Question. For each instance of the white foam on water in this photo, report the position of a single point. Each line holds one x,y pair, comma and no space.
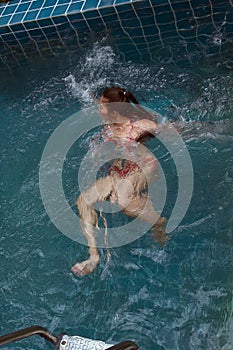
157,256
91,72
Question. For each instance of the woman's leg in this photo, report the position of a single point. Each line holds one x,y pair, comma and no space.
100,191
142,207
127,194
133,204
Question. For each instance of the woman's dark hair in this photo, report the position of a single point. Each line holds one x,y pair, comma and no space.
118,94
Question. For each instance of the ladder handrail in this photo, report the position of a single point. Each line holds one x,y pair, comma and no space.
27,332
44,333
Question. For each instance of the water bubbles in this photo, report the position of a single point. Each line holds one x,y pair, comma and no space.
217,40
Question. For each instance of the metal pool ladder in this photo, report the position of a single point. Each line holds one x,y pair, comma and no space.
65,342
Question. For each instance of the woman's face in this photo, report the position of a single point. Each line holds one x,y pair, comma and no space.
103,108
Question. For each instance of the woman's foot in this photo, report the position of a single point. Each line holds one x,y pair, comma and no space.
86,267
159,231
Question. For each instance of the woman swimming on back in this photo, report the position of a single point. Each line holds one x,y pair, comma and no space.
127,125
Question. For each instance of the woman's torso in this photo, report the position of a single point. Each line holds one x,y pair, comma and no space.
136,157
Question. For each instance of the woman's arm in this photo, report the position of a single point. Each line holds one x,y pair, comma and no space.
145,129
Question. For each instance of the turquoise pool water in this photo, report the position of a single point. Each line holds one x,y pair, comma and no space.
176,297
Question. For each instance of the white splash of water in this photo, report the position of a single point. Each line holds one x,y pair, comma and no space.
91,73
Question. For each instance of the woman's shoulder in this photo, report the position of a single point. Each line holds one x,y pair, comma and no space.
145,125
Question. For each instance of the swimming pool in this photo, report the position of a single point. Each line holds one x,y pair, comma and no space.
147,30
176,297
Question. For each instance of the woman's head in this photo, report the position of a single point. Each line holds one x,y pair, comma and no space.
126,105
116,101
118,94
